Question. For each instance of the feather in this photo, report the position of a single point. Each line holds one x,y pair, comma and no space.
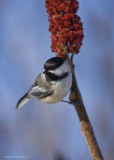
40,92
22,101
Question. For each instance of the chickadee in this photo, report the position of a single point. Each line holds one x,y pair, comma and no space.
52,84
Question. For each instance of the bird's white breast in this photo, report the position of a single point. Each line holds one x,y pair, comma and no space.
61,89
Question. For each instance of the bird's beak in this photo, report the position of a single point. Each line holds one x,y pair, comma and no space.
45,71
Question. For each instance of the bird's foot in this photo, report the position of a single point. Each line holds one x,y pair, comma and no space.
72,102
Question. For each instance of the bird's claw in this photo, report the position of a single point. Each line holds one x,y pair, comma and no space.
72,102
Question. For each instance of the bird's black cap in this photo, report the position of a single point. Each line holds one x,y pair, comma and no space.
53,63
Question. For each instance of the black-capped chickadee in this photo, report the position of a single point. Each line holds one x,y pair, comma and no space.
52,84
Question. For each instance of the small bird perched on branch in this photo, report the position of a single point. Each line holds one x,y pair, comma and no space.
52,84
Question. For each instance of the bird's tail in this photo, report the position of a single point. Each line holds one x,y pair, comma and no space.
22,101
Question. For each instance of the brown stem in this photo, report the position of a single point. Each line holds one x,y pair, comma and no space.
85,123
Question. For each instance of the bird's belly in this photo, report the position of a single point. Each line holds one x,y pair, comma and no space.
56,97
60,92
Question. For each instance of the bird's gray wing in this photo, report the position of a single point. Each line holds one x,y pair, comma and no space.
40,88
40,92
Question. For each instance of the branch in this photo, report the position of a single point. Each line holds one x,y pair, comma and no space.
85,123
67,34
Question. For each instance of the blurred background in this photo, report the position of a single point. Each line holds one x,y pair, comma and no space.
52,132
